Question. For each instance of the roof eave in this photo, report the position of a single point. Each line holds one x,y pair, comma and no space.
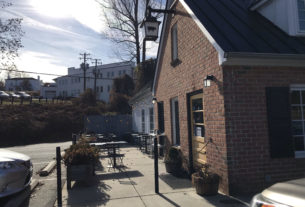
264,59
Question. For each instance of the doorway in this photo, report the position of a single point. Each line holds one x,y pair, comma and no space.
197,129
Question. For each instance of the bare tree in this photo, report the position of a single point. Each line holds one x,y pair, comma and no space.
10,38
123,18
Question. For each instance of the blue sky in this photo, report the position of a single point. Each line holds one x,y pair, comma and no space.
56,31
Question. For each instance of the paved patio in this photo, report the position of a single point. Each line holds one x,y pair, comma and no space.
133,185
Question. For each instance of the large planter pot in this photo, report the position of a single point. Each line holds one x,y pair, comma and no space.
79,173
208,186
173,168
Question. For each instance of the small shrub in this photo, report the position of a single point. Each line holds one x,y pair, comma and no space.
81,154
173,155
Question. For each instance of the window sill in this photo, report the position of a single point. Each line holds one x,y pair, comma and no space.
175,62
299,154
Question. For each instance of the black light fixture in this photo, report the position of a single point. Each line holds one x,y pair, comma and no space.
207,80
154,100
151,24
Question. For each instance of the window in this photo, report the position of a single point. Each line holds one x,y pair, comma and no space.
174,44
151,120
120,73
108,89
102,89
108,74
101,75
298,118
97,89
112,74
301,14
143,120
124,71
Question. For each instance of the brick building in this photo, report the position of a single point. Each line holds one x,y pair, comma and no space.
251,117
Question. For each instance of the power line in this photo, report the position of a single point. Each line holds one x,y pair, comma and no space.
50,74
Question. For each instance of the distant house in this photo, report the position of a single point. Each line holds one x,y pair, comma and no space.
72,85
230,87
143,110
23,84
48,90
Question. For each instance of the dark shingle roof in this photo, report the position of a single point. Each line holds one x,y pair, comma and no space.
237,29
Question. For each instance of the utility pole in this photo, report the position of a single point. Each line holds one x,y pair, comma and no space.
96,72
84,66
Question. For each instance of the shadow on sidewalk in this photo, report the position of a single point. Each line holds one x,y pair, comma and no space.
92,191
119,175
172,181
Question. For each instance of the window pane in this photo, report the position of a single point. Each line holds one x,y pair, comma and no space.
198,117
296,113
303,97
295,97
297,128
199,131
302,25
299,143
301,4
197,104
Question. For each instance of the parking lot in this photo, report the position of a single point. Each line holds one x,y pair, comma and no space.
45,193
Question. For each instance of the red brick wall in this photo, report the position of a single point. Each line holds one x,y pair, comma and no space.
247,127
198,59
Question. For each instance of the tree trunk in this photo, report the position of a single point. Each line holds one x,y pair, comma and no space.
137,32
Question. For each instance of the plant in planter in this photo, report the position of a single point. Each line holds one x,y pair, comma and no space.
80,160
205,182
173,161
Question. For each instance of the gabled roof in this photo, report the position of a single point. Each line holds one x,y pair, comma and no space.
240,35
237,29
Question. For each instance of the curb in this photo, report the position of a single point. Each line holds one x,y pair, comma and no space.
34,184
46,171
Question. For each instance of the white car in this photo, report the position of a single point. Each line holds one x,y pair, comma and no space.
284,194
12,94
4,95
16,172
23,94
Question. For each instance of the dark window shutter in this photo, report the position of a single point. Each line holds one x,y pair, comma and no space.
279,122
161,116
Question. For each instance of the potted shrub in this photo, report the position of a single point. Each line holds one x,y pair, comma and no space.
80,160
173,161
205,182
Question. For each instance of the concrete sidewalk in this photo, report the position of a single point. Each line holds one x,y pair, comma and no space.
133,186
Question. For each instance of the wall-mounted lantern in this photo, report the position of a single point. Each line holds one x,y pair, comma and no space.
207,80
151,24
154,100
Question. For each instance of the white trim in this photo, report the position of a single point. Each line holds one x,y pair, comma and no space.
220,51
164,24
300,87
264,59
258,5
299,154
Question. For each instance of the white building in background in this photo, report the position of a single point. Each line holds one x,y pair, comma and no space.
143,110
48,90
15,84
72,85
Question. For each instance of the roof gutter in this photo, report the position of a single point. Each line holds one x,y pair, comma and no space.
264,59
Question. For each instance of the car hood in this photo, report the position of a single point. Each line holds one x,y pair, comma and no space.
290,193
7,155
